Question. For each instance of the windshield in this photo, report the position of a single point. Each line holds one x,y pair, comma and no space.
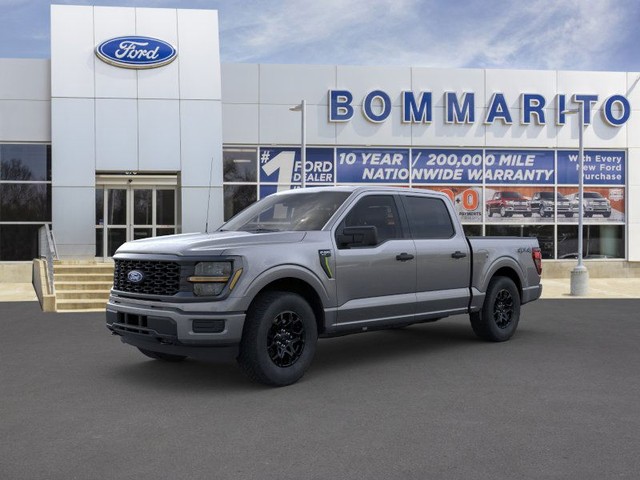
592,195
279,213
511,195
549,196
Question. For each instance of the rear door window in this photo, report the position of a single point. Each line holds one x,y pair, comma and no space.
428,218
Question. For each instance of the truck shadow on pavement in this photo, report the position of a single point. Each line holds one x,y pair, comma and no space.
333,356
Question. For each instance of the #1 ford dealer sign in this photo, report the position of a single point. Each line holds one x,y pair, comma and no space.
136,52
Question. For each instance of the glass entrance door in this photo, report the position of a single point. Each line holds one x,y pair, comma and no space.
132,211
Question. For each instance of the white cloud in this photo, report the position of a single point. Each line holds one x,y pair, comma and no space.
548,34
333,24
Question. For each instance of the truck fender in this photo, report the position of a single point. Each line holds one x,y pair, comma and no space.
280,272
497,264
501,262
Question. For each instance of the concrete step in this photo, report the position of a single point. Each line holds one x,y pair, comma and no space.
81,262
84,310
82,294
93,285
75,305
82,286
83,277
84,269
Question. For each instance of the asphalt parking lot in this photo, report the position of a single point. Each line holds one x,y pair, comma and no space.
560,400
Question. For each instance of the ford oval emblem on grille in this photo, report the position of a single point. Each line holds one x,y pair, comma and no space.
136,52
135,276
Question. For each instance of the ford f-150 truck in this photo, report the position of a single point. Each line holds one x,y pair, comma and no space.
316,262
507,204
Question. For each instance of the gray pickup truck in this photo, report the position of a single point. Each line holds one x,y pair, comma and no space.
316,262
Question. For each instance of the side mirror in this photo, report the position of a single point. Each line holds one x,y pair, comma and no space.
364,236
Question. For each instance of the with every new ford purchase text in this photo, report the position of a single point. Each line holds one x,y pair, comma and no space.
316,262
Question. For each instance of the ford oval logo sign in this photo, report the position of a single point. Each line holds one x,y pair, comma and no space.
136,52
135,276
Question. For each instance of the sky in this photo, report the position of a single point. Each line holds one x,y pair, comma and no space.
516,34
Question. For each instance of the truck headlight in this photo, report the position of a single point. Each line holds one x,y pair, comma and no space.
210,278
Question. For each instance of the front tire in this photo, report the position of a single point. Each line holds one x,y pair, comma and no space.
167,357
279,339
497,321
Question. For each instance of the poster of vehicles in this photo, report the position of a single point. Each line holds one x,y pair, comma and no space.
507,204
600,204
521,204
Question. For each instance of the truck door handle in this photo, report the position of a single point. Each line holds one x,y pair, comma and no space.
403,257
458,254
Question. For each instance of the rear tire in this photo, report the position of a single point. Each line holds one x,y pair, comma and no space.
279,339
167,357
497,321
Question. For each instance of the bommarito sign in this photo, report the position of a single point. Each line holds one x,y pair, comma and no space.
460,108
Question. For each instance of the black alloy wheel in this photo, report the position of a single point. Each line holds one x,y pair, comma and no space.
498,318
279,338
285,339
503,309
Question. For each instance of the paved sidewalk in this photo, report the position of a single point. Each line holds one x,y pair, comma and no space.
17,292
552,288
598,288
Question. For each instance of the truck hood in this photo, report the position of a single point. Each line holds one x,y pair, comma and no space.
206,243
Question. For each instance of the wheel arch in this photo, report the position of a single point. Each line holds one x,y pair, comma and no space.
296,280
299,287
504,267
508,272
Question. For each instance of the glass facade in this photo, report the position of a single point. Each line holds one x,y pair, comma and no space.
25,198
516,192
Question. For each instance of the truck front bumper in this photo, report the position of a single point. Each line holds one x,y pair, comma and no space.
172,325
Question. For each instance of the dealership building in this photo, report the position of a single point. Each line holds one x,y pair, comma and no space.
134,129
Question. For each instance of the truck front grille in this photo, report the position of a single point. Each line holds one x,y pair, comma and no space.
158,278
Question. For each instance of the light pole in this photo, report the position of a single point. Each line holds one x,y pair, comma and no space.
580,274
302,107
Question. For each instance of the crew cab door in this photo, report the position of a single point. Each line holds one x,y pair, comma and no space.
376,281
443,256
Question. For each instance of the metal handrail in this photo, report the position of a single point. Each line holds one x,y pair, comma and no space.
49,251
